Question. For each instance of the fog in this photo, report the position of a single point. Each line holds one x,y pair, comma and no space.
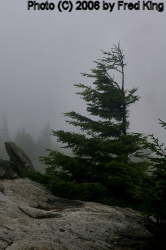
43,53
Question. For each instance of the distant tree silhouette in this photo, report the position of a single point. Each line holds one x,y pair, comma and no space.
44,141
25,142
4,130
4,136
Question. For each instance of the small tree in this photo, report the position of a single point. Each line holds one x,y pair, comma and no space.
150,188
105,144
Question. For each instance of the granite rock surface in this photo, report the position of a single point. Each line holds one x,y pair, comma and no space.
32,218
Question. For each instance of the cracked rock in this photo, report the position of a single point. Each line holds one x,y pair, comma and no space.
38,213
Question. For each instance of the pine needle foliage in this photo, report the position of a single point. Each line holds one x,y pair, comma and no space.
104,144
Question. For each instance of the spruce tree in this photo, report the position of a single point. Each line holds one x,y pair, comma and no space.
104,146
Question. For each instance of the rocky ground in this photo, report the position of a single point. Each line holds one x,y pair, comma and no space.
31,218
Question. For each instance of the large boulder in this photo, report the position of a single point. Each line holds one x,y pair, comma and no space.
20,161
32,218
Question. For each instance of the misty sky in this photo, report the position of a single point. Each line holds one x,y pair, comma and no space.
43,52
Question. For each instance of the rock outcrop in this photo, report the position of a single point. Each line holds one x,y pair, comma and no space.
32,218
19,162
6,170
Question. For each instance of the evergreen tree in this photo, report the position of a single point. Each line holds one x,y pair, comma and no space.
105,145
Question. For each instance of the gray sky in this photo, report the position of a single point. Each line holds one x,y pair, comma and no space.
43,52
